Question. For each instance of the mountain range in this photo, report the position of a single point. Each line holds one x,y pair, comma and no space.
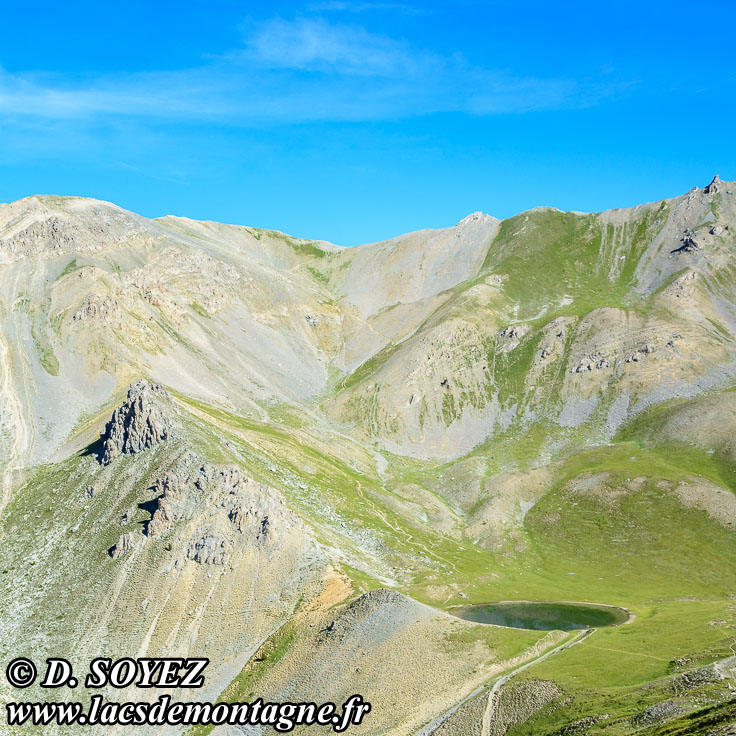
299,460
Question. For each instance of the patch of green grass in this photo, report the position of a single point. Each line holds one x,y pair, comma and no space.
622,671
547,255
370,366
287,415
646,428
633,654
504,643
632,541
46,355
71,266
318,275
200,310
308,249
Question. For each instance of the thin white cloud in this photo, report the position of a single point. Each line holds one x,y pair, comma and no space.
292,72
318,46
355,7
58,97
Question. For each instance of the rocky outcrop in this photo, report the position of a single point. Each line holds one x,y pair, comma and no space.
210,514
510,337
595,361
141,422
689,245
715,186
209,550
696,678
123,546
684,286
96,308
646,349
180,491
658,713
246,507
55,234
51,226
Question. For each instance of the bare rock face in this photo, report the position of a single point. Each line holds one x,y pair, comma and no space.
190,486
141,422
210,549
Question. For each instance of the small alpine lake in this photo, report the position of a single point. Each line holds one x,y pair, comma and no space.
543,616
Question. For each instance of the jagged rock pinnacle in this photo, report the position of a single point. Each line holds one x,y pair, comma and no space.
715,186
142,421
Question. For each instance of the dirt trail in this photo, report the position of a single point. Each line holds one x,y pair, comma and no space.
488,716
410,538
430,728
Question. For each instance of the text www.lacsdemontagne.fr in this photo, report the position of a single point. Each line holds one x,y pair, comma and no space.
283,717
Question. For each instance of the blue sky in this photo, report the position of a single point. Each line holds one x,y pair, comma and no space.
357,121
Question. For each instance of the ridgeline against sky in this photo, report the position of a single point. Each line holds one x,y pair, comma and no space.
353,121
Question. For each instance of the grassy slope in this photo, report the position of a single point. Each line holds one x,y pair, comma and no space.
551,264
673,566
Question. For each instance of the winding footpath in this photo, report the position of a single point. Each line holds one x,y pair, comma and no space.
489,714
498,683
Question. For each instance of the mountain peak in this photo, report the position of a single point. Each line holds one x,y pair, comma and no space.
715,185
48,225
477,217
